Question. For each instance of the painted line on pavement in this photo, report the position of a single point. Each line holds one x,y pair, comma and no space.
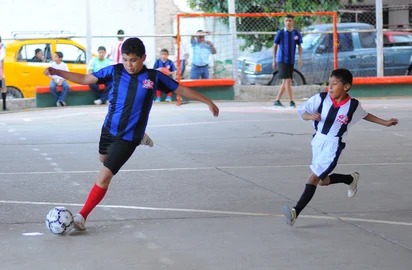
220,212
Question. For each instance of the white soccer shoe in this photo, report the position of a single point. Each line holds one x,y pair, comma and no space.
79,222
290,214
146,141
353,187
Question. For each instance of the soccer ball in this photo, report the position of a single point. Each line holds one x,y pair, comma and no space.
59,220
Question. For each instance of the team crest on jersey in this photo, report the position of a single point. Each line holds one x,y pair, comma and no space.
344,119
148,84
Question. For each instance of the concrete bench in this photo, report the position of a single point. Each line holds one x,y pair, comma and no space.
78,95
217,89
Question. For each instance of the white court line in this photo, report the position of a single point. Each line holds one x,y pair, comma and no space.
234,213
206,168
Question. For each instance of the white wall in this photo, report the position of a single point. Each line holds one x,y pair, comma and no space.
135,17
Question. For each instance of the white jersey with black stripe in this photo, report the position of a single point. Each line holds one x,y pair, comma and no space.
332,118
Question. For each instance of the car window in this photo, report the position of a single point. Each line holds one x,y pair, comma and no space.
344,43
310,40
367,39
72,54
27,52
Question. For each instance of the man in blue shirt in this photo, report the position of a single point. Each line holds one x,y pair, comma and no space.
131,99
284,50
202,49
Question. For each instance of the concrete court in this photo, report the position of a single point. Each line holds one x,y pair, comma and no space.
208,195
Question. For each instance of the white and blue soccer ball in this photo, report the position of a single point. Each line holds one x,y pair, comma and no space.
59,220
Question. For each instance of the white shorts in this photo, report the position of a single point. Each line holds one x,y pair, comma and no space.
325,154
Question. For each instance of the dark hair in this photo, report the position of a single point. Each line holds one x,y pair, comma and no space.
164,50
101,48
290,16
120,32
133,45
59,54
344,75
37,50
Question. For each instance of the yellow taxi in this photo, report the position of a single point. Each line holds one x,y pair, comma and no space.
23,73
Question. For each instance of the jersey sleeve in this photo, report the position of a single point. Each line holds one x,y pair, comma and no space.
156,64
166,84
359,114
172,66
104,75
299,38
277,37
311,105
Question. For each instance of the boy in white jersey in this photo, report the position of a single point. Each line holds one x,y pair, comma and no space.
332,112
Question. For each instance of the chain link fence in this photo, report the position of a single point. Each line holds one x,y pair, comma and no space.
252,44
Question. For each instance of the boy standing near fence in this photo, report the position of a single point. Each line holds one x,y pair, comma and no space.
284,50
332,113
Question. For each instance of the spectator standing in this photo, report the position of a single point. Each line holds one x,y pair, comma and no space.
2,82
166,66
115,53
284,49
95,65
202,49
59,82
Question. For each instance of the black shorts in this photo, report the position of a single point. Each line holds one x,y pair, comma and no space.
285,70
118,151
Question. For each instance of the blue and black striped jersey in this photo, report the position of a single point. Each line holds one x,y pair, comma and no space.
131,98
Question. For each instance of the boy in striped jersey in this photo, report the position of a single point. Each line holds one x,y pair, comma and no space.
332,113
131,97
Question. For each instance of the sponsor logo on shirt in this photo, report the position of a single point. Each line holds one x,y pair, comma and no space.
148,84
344,119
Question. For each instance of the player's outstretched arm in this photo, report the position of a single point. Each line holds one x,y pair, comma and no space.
374,119
191,94
71,76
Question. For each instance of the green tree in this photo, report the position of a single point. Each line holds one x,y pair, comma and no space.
266,24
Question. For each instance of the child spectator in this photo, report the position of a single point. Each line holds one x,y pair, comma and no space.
95,65
58,82
166,66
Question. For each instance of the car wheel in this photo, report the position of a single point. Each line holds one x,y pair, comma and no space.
297,78
13,92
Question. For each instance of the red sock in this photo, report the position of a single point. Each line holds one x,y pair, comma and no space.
170,94
158,93
96,195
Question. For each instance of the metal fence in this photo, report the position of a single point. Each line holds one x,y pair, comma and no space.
358,37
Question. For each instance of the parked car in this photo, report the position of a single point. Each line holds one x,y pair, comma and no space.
356,51
22,75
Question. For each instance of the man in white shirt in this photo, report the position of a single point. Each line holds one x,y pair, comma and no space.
115,53
58,85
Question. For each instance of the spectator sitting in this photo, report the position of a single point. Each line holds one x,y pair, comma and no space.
38,56
95,65
58,81
165,65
